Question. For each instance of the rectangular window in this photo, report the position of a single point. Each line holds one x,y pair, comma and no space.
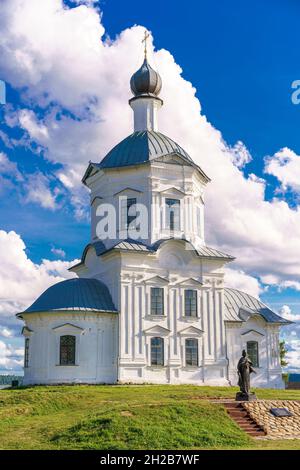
157,352
173,214
190,303
67,350
131,212
157,301
191,352
26,353
128,212
252,352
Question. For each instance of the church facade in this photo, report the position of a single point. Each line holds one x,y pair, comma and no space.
148,304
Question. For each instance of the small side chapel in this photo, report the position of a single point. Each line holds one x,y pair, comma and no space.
152,309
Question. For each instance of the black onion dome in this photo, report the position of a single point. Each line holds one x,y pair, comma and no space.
145,81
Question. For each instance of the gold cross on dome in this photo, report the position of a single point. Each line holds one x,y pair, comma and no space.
146,36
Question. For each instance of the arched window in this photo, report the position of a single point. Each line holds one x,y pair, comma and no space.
26,353
67,350
252,351
191,352
157,352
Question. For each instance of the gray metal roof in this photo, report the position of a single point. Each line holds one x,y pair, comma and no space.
82,294
207,252
235,301
127,245
131,245
138,246
141,147
145,81
202,252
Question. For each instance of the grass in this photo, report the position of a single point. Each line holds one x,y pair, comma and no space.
126,417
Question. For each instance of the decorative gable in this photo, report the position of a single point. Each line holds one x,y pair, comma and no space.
157,280
255,332
190,282
191,331
172,191
157,330
132,190
174,158
68,328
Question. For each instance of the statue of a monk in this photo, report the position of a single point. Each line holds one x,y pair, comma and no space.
244,369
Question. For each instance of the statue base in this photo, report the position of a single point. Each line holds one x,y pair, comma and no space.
240,396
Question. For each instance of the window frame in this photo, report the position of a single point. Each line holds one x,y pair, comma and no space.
190,305
194,360
170,214
126,203
26,353
156,313
255,362
154,361
68,362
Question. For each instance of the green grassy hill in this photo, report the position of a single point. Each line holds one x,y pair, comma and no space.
125,417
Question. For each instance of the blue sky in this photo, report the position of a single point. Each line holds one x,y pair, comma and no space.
241,57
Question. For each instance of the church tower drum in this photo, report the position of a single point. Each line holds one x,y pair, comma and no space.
154,187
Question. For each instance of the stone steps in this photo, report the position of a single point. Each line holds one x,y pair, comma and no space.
243,420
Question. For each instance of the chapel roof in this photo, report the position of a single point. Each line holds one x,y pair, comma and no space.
83,294
237,301
141,147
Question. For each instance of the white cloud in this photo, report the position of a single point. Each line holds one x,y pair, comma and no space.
238,279
293,360
286,313
61,57
291,336
290,284
21,280
6,332
58,252
274,280
10,358
240,154
285,166
85,2
29,122
9,170
37,190
31,187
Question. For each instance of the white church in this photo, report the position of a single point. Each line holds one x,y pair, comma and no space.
148,304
